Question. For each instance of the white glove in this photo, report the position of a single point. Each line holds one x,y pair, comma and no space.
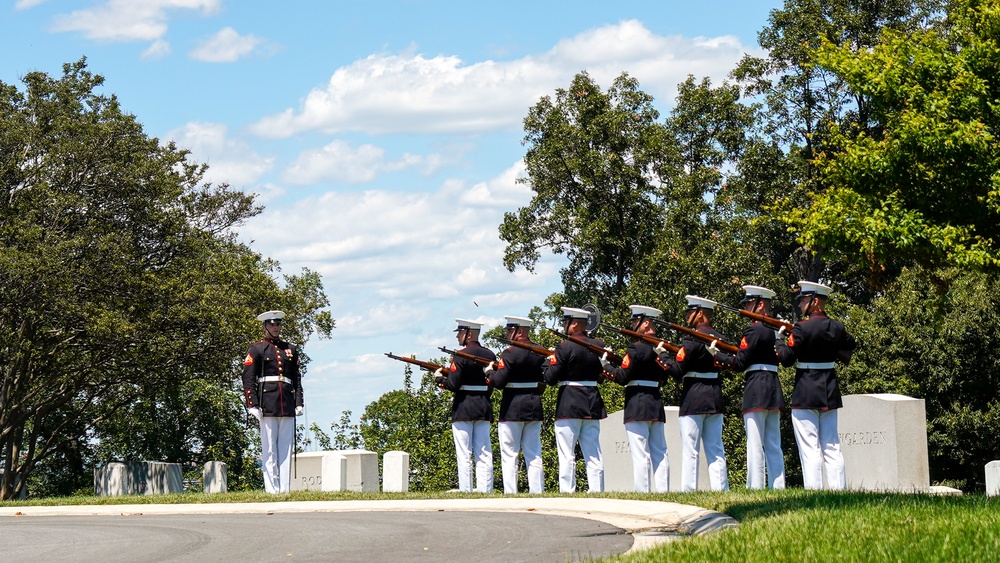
781,332
712,348
659,348
299,411
256,412
492,366
439,372
604,361
551,358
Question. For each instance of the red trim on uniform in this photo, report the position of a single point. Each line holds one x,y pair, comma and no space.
626,361
680,355
743,343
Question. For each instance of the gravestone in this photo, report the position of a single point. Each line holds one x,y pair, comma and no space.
138,478
884,441
362,470
993,478
396,472
618,458
214,477
319,471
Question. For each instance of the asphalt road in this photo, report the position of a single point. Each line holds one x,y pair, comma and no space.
313,536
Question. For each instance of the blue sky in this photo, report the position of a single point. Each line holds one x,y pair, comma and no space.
382,137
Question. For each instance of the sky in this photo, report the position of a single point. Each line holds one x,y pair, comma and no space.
383,138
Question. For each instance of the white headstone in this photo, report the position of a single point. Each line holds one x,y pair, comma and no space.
884,441
138,478
163,478
319,471
396,472
362,470
618,458
215,477
109,480
993,478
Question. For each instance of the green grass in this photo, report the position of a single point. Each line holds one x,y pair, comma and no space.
791,525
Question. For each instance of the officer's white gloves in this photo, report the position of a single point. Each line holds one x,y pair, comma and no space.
781,332
439,377
712,349
299,411
659,348
492,366
605,362
256,412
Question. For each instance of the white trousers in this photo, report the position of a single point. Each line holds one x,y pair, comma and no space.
764,455
276,436
472,439
819,448
513,437
650,466
587,432
706,430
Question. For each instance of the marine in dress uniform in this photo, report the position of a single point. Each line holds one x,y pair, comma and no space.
814,345
762,396
471,409
642,373
579,406
700,413
272,386
518,374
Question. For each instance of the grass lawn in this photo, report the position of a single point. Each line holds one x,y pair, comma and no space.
790,525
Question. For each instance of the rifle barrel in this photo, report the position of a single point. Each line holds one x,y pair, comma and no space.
594,348
645,338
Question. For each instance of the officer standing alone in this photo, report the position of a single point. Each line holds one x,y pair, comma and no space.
815,344
518,375
272,386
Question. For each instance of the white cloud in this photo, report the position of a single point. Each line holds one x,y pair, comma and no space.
25,4
128,20
226,46
410,93
341,162
158,49
229,160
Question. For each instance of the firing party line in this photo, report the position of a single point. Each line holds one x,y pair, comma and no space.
581,362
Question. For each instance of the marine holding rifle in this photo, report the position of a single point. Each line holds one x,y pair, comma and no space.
815,344
762,396
518,374
471,410
700,413
579,406
642,372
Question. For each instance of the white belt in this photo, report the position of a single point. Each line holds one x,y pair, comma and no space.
762,367
814,365
474,388
642,383
579,383
521,385
702,374
272,378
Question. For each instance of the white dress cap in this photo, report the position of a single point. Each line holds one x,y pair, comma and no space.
695,301
644,310
271,315
464,324
575,313
519,321
809,288
758,291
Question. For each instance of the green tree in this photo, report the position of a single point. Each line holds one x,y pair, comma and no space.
927,184
121,281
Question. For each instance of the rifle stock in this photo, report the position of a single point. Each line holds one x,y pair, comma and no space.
431,367
769,321
645,338
706,338
540,350
481,361
612,357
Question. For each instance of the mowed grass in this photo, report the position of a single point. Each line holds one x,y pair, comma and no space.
797,525
790,525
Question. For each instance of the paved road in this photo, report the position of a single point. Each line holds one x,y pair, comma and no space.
319,536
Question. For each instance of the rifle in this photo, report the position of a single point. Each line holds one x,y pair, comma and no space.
481,361
769,321
612,357
422,364
706,338
540,350
645,338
